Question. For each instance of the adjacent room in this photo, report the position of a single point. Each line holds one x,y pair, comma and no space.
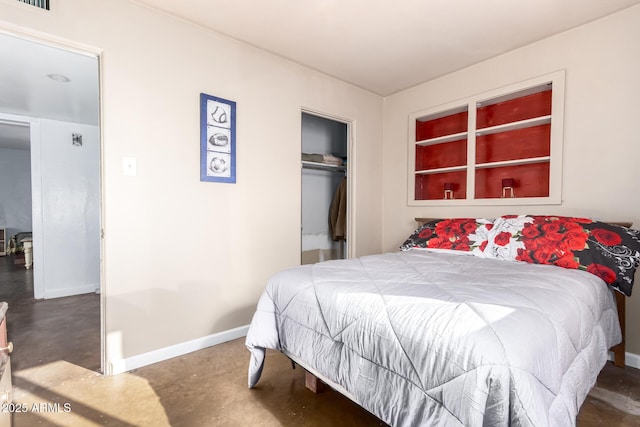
161,161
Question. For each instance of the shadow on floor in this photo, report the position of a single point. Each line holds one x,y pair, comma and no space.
209,387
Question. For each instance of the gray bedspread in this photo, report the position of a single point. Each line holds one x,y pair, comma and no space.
419,338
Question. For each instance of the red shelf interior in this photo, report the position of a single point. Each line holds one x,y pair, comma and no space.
515,144
431,186
448,125
531,180
443,155
525,107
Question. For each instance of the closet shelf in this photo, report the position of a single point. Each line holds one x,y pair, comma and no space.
322,166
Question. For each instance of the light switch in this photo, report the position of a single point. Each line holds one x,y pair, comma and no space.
129,166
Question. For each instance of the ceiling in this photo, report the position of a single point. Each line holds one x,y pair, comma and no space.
386,46
25,89
383,46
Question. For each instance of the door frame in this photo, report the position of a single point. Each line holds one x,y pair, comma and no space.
351,173
36,206
94,52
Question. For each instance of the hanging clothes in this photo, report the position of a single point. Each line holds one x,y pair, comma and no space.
338,212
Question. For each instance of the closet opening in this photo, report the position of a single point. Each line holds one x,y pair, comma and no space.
325,149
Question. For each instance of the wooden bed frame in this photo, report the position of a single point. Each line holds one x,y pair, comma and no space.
316,382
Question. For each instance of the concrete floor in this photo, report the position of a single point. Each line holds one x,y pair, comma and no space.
56,362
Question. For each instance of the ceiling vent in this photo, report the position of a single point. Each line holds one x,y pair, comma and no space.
41,4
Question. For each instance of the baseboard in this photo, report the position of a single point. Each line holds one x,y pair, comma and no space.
135,362
630,359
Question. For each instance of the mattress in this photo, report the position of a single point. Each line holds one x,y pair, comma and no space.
426,338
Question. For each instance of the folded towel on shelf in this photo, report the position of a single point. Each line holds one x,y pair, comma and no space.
312,157
326,159
331,160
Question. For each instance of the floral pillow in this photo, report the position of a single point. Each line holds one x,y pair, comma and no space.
608,251
457,234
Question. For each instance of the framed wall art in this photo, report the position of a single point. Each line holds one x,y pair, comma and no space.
217,139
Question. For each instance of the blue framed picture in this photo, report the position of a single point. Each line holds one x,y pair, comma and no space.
217,139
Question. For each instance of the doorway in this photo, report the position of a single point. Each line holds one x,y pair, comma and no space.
325,197
53,93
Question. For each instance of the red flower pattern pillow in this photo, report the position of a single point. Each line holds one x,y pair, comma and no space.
608,251
454,234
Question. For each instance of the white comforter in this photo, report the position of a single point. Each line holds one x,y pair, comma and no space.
419,338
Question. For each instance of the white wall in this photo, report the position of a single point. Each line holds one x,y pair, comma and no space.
68,191
15,191
185,259
318,188
323,136
601,150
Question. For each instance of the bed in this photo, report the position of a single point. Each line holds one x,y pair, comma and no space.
459,327
22,243
16,243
